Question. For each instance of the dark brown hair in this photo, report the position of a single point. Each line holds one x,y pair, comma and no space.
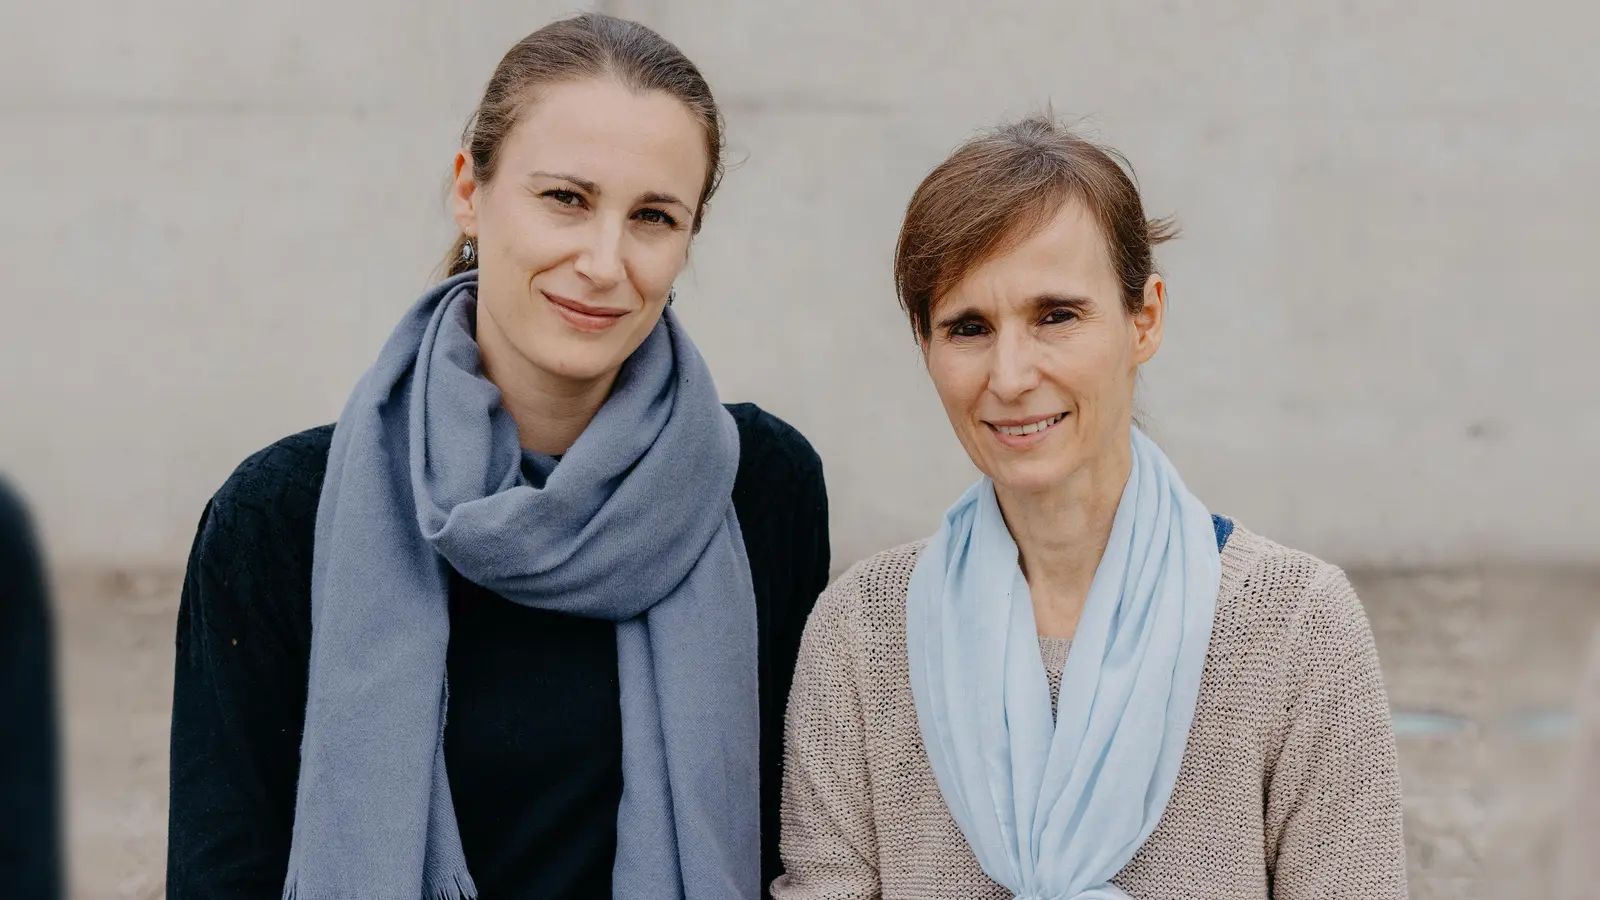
587,46
997,190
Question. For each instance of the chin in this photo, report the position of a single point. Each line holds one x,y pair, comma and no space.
1042,470
1028,479
575,360
585,369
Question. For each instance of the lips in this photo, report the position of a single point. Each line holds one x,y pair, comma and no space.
1020,434
582,316
1028,428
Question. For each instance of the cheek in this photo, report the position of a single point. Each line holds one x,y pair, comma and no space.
520,237
1091,369
957,378
1102,393
653,265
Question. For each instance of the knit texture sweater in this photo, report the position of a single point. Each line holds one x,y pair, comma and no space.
1289,786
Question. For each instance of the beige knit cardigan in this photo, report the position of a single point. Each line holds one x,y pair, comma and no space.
1288,788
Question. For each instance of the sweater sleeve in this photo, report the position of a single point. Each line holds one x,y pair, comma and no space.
782,500
243,639
30,852
828,843
807,534
1333,813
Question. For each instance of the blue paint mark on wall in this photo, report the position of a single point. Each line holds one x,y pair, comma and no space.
1523,724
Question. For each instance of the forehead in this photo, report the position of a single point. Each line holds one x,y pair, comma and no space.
600,130
1067,254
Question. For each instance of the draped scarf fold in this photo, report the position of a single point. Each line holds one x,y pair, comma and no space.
1054,807
634,525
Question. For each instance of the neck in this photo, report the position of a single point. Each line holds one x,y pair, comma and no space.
550,411
1061,535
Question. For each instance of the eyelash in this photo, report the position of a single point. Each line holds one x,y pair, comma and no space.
574,199
954,330
565,197
664,219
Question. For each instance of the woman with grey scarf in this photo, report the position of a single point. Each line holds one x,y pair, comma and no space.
521,623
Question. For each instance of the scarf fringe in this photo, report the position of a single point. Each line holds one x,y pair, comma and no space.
457,887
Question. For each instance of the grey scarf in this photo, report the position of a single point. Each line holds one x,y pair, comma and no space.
635,526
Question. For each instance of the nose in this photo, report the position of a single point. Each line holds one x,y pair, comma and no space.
1013,365
600,259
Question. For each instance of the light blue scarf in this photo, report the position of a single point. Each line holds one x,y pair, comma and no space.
1054,809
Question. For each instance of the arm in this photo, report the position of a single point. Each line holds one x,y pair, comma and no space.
782,502
239,692
829,842
807,532
1333,812
30,852
814,557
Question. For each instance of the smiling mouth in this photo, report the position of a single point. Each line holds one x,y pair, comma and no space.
1030,428
583,317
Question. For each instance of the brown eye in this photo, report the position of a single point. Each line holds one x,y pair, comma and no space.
966,330
565,198
656,217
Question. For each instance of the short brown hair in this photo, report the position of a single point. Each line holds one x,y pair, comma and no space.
586,46
997,190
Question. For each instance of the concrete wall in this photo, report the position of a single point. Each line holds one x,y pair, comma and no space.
1382,336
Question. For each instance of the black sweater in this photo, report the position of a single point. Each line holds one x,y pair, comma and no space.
30,851
533,744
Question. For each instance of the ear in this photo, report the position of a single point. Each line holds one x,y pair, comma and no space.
1149,322
464,195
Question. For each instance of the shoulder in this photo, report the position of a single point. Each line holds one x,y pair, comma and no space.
887,572
771,451
260,524
279,484
871,595
21,569
1302,606
1289,579
14,519
251,559
779,487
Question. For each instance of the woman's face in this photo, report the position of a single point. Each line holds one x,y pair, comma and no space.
583,228
1034,356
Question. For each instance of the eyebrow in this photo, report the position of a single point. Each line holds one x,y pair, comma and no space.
664,198
1039,304
591,187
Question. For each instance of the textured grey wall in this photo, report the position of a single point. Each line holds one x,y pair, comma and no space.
1381,344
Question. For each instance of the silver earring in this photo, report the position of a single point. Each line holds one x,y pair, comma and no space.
672,294
466,250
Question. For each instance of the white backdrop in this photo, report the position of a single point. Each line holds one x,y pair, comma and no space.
1382,338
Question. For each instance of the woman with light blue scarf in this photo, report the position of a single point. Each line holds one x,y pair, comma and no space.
1085,685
